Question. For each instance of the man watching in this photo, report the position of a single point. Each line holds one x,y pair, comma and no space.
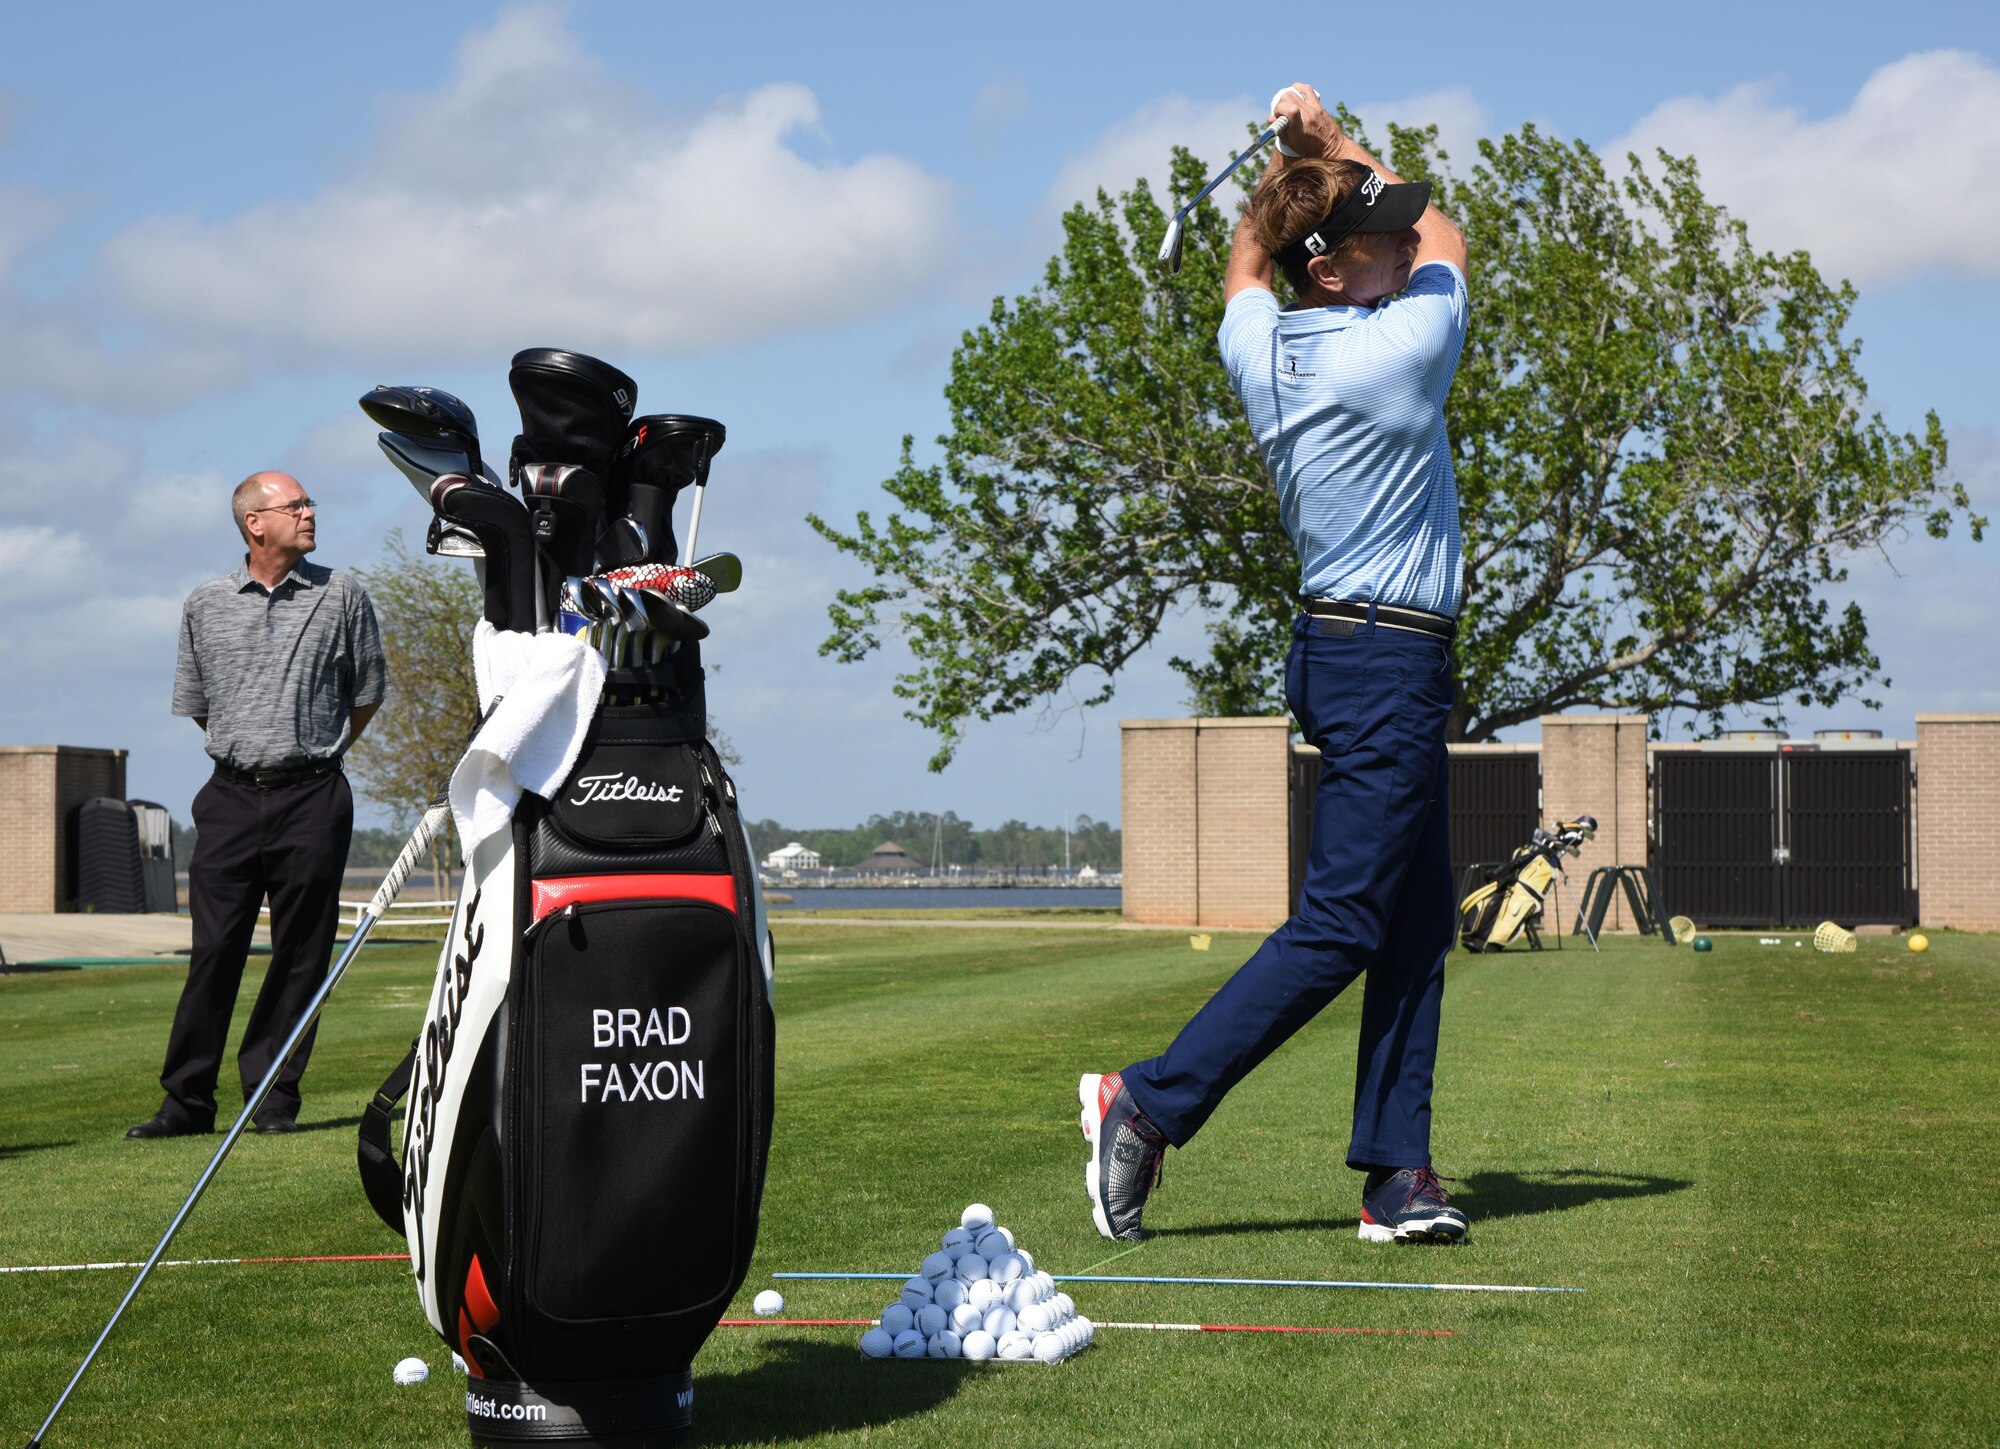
281,665
1345,392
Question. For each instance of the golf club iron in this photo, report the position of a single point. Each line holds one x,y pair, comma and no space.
434,817
1170,248
725,570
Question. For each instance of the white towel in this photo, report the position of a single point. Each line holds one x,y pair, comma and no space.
547,685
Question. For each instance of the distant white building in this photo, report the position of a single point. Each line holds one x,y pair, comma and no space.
792,857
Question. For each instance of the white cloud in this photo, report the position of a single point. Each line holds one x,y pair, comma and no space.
1905,179
531,199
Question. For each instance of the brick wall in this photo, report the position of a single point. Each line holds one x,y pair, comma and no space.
1958,825
1205,821
1595,764
40,785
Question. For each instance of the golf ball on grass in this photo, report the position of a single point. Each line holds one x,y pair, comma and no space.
942,1344
875,1343
1035,1319
411,1371
909,1344
1017,1346
768,1304
976,1218
977,1345
971,1268
948,1294
1048,1347
458,1363
897,1317
931,1319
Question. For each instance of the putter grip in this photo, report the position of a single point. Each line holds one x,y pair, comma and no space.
435,815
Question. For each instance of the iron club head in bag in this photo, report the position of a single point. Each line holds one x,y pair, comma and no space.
725,571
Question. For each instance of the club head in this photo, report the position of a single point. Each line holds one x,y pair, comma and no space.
665,617
426,412
725,571
448,540
1170,247
424,460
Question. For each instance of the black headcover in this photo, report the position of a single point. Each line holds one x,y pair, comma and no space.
664,453
573,409
506,534
427,413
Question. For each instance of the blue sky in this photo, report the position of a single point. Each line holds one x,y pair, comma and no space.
220,224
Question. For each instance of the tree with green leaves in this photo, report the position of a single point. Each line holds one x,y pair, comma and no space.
427,612
1664,450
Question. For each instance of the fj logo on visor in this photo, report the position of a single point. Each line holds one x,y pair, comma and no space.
1315,245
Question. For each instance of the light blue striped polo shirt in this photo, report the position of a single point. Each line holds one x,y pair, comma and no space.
1347,405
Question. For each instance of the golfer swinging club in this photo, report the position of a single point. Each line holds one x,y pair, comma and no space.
1345,392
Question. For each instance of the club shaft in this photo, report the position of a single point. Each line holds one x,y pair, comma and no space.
1270,134
433,818
694,521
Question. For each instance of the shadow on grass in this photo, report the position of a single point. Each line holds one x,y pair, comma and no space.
22,1149
329,1124
804,1389
1485,1196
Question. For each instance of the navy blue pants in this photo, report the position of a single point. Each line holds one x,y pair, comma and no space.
1376,900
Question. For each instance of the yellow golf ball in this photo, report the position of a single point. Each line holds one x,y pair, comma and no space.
1920,942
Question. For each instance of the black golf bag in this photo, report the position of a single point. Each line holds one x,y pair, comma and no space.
590,1098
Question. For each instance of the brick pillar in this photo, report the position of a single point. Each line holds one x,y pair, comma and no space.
39,786
1595,764
1205,821
1958,848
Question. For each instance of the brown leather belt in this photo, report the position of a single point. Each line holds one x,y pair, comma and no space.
1387,616
278,777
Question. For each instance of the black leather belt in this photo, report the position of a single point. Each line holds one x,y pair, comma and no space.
1387,616
278,777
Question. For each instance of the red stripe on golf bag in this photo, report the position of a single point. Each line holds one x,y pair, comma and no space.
479,1300
551,896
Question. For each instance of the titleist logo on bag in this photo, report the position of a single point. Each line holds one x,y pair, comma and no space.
589,789
631,796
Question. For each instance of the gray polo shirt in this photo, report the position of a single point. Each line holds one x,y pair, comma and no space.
276,671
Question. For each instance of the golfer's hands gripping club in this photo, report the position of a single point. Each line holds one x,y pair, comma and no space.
1308,129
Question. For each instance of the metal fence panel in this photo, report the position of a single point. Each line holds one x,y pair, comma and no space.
1496,803
1715,837
1847,834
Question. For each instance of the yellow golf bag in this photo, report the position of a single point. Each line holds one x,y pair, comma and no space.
1509,903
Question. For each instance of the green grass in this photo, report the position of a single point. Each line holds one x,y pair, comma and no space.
1767,1166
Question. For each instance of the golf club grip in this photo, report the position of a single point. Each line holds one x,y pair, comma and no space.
434,817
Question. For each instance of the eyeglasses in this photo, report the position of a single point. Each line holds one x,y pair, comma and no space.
297,507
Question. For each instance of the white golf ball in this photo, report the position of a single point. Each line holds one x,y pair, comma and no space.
938,1265
957,1243
1027,1257
1017,1345
1024,1291
1034,1319
977,1345
971,1268
411,1371
1088,1329
458,1363
1005,1268
876,1343
931,1318
1065,1303
768,1304
995,1241
1049,1348
916,1293
897,1317
909,1344
1046,1281
1000,1322
976,1218
942,1344
948,1293
985,1294
965,1318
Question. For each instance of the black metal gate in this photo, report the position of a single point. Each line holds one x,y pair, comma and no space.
1784,838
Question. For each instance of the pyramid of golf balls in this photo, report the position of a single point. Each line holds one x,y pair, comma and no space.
980,1296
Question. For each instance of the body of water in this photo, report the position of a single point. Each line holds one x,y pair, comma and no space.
945,898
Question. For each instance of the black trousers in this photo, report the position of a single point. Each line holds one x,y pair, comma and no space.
289,844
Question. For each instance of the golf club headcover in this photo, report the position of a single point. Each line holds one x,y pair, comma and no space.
427,413
567,502
500,522
663,453
590,1099
573,410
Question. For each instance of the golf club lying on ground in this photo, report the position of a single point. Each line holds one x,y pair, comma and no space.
1170,248
420,839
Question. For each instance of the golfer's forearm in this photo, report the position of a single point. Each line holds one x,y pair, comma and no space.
358,721
1249,264
1440,240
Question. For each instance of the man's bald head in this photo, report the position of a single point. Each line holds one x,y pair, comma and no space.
253,493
